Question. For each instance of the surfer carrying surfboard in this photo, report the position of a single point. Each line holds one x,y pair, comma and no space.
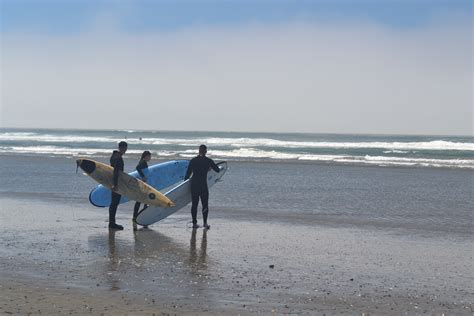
199,166
142,165
116,161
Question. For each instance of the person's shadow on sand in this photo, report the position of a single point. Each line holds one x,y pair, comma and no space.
198,261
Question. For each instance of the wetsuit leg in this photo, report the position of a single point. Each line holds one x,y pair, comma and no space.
205,206
194,207
135,209
113,207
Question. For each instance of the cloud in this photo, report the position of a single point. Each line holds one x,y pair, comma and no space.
287,77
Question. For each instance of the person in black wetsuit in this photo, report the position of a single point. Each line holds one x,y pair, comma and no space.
142,164
199,166
116,161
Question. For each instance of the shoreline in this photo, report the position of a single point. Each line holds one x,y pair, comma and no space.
159,159
321,220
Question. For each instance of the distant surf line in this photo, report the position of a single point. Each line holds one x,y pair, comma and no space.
435,145
249,154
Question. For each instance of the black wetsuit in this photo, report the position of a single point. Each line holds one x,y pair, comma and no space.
141,165
199,166
116,161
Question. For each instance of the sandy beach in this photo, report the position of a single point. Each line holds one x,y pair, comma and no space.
345,128
59,258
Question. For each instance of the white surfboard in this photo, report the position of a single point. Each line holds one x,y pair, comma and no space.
180,195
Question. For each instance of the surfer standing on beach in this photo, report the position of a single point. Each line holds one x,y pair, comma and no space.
199,166
116,161
142,165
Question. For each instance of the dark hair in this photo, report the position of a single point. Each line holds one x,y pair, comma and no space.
123,144
145,153
202,149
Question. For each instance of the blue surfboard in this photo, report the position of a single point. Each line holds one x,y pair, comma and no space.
159,176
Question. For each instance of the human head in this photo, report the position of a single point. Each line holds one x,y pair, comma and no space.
122,146
146,155
202,150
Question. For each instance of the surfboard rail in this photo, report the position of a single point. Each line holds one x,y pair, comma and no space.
160,176
128,186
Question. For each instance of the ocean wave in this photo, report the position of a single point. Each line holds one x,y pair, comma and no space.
431,145
398,161
395,147
13,134
250,154
268,142
396,151
47,138
60,151
367,159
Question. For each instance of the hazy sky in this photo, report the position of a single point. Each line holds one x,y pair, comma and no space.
398,67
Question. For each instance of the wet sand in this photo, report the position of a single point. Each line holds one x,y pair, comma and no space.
58,257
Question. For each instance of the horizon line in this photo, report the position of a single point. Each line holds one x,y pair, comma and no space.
235,132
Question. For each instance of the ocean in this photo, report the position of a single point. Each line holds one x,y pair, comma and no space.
364,150
415,183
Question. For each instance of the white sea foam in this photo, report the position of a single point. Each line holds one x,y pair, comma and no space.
250,154
397,161
253,153
396,152
431,145
55,150
370,160
56,138
396,147
376,160
267,142
13,134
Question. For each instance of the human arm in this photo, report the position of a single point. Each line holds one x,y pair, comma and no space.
140,167
116,162
189,171
115,177
214,166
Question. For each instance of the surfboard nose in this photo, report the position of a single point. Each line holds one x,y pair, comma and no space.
87,165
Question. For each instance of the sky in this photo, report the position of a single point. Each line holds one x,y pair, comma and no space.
378,67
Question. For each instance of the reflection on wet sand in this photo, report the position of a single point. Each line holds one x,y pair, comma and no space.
198,261
113,264
128,258
199,269
146,255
